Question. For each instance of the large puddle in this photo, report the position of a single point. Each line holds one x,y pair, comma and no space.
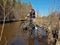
15,36
23,38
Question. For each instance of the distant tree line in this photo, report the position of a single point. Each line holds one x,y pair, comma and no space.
13,9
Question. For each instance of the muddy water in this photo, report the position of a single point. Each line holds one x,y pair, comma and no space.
13,35
10,31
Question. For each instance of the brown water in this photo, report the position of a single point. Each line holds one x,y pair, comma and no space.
13,35
10,30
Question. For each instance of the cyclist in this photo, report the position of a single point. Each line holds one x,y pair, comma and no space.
32,17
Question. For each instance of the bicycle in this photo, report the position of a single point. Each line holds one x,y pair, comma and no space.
28,26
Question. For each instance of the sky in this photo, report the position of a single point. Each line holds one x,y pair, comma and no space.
44,7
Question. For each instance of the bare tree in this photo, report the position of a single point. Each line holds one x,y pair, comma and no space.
4,15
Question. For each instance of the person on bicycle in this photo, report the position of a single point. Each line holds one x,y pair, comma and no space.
32,16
